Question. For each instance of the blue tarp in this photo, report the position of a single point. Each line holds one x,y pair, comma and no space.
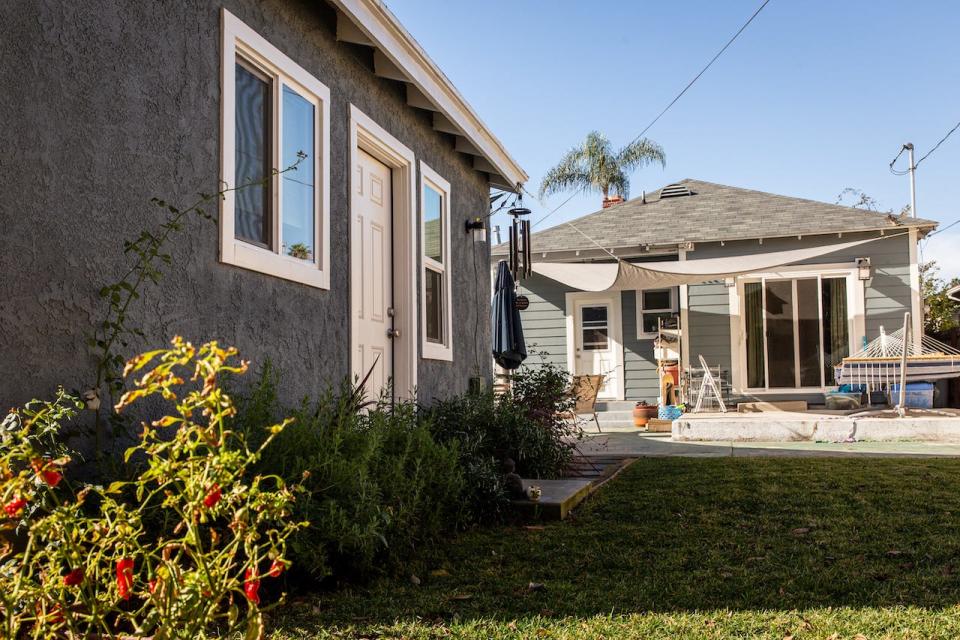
509,350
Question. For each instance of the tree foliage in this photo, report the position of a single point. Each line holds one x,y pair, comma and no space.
940,312
595,166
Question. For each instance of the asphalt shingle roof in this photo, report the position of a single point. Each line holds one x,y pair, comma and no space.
714,212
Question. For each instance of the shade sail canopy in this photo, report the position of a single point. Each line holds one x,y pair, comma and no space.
622,275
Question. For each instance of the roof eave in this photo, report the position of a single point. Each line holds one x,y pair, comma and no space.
385,32
925,227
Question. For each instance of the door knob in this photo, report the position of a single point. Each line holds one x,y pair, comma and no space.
393,333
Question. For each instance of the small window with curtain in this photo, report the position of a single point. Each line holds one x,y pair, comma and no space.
275,156
654,306
435,256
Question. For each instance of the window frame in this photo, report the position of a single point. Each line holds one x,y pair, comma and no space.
856,320
641,334
240,41
436,350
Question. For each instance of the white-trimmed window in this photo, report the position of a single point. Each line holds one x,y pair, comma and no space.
275,115
652,306
435,292
796,325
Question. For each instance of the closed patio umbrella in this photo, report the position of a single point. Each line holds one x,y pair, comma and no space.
509,350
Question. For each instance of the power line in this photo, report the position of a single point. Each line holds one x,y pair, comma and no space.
939,231
899,172
942,140
672,102
702,71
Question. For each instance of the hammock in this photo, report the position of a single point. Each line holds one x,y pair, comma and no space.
878,365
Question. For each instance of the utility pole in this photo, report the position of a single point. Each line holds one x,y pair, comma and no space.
913,179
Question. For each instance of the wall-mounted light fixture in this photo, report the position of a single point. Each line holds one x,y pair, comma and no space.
863,268
478,228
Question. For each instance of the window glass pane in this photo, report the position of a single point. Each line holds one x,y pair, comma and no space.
753,317
780,351
593,328
297,193
656,299
836,338
808,332
650,320
252,219
432,224
593,315
433,285
595,339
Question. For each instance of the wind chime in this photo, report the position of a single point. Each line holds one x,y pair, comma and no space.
521,256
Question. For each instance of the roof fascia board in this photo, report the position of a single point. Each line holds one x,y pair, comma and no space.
389,36
622,250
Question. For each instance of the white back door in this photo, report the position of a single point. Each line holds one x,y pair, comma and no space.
373,306
597,342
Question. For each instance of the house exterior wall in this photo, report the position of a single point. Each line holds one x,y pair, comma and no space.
109,103
887,295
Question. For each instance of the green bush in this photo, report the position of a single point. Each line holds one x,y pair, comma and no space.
91,565
377,483
525,425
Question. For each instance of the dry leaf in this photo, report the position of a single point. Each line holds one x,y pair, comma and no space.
799,531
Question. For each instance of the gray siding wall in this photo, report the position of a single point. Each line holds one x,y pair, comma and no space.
887,295
544,321
544,328
108,103
640,367
708,324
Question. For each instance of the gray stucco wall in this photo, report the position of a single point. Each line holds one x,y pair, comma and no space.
111,102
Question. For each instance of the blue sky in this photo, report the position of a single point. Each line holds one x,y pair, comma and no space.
814,96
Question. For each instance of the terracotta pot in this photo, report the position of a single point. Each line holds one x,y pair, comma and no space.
642,414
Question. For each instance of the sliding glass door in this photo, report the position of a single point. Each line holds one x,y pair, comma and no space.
795,330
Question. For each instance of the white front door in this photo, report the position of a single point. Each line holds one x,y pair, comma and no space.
373,211
597,342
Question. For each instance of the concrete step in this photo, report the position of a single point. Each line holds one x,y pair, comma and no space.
615,405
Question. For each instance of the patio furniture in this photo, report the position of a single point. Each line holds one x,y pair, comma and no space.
708,384
584,390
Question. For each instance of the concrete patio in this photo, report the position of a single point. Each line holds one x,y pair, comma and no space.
639,444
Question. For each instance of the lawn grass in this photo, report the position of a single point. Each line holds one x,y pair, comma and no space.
690,548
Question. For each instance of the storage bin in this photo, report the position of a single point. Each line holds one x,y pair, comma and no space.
669,412
843,400
919,395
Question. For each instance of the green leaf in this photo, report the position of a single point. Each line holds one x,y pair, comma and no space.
117,487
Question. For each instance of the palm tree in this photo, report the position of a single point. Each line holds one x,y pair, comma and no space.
595,166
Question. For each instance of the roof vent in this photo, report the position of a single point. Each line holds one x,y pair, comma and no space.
675,191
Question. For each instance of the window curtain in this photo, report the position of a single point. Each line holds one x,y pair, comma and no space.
753,316
836,336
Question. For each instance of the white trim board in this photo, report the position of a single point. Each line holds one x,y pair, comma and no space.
367,135
674,294
613,298
856,319
433,350
238,38
385,32
916,300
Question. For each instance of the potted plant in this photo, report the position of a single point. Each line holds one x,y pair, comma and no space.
642,413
